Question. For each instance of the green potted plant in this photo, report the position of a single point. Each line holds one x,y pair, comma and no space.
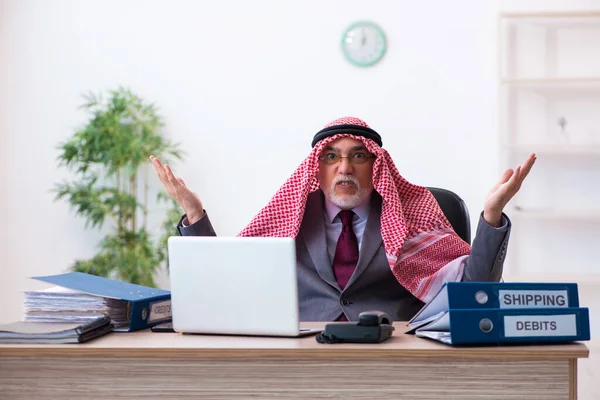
109,157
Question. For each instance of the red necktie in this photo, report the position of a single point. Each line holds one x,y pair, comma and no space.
346,252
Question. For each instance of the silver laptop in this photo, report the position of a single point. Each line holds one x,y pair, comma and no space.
234,286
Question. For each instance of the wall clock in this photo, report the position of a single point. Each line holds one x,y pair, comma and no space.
364,43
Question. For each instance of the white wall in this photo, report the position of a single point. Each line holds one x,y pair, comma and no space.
243,86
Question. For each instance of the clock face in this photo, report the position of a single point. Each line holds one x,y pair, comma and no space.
363,44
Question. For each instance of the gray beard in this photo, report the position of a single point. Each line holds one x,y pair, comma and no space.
348,202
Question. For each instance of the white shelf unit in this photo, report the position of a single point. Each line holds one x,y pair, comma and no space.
549,46
549,104
554,149
549,214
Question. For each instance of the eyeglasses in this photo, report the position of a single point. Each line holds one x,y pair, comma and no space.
355,158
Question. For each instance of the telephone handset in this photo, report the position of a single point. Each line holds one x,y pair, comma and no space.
372,327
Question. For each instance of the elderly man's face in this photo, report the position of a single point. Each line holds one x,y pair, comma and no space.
346,182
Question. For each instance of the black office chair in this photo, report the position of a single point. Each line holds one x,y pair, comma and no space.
455,210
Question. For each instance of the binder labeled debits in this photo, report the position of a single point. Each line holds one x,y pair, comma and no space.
499,312
79,298
502,295
495,326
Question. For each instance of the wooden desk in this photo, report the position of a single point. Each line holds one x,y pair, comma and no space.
169,365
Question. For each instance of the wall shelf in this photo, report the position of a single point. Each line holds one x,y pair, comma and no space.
551,15
549,104
545,46
589,215
553,81
553,149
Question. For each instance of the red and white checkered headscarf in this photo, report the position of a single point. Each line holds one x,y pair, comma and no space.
422,249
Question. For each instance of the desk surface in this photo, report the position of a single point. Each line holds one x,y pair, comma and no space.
150,344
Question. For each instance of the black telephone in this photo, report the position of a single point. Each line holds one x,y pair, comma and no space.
372,327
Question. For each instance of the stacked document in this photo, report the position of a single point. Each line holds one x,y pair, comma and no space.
497,313
60,304
54,333
81,298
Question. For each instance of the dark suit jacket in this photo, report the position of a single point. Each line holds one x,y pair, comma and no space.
372,285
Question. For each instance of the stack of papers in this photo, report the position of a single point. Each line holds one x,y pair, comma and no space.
436,327
59,304
54,333
79,298
433,320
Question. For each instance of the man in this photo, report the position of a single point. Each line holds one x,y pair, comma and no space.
365,237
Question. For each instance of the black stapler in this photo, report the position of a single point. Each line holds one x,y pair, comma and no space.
372,327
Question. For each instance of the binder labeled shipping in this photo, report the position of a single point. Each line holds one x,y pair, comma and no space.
502,295
499,326
80,297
